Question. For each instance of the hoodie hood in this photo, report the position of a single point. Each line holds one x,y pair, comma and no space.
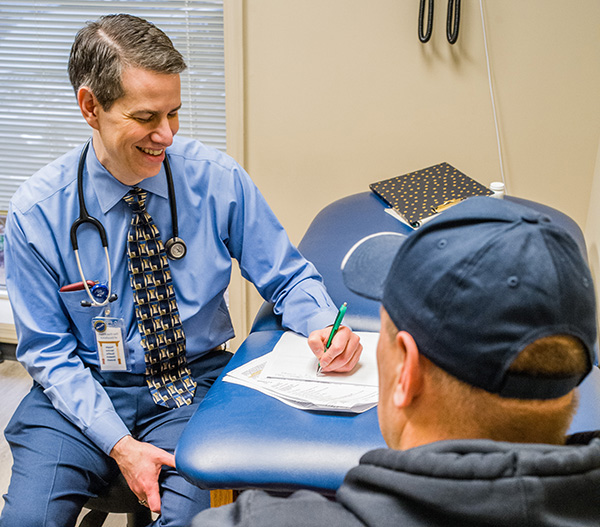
477,482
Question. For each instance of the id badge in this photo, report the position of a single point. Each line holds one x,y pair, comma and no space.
110,343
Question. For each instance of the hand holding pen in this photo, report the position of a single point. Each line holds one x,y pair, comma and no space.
337,347
334,328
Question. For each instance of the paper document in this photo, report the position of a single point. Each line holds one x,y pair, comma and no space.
394,214
289,374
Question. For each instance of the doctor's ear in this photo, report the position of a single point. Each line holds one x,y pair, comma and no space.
89,106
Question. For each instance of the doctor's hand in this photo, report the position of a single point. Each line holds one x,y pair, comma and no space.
141,463
342,355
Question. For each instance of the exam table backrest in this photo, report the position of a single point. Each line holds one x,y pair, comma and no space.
329,237
346,221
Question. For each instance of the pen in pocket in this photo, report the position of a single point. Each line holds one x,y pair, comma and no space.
77,286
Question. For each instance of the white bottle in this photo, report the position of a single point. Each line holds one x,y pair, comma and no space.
497,187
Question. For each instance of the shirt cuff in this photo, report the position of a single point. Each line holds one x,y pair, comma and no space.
322,319
107,431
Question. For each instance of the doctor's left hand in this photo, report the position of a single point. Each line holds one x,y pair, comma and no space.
141,463
342,355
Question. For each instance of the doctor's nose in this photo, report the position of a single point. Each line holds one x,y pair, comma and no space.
165,131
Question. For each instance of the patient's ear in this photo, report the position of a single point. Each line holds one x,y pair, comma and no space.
409,374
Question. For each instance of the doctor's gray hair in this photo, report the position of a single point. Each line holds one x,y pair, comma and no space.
104,48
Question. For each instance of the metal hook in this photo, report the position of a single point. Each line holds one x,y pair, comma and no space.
424,37
453,16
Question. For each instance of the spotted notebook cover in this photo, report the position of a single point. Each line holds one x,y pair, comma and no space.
420,194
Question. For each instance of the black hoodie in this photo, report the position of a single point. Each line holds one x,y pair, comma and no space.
464,483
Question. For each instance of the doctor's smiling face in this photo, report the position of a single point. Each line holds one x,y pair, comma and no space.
131,136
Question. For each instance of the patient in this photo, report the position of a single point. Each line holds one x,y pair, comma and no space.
488,325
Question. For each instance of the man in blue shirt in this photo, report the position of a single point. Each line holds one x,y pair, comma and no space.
82,421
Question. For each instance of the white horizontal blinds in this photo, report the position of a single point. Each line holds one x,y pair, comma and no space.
39,116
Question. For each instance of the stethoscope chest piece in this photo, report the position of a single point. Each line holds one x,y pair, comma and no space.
100,292
175,248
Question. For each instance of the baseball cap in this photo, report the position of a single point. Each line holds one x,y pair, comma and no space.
476,285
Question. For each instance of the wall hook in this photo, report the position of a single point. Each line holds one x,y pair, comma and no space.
424,37
453,20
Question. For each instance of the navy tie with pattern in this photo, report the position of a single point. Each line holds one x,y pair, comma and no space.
163,339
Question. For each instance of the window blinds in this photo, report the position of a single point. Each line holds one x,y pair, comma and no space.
39,116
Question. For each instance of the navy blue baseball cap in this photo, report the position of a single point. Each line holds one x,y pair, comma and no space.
476,285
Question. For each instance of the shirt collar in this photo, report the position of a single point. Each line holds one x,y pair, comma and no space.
110,190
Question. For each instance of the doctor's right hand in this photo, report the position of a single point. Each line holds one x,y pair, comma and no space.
141,464
344,352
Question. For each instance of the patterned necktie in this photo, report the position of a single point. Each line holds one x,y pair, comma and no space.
163,339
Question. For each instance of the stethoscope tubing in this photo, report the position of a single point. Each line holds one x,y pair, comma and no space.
109,296
175,246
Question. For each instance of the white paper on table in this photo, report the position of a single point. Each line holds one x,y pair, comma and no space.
298,395
306,390
293,359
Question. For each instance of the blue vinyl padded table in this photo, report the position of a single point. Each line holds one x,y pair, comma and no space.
240,438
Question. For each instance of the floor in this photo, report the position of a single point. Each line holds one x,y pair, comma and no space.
14,384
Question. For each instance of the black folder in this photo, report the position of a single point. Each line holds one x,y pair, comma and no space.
421,194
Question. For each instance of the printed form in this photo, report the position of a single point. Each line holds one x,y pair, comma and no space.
289,374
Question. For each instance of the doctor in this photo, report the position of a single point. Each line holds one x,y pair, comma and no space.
105,398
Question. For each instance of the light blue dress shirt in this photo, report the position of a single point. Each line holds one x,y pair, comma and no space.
222,215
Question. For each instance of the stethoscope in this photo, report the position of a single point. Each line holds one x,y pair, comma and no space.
101,294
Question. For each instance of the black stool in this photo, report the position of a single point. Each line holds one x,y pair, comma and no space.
117,498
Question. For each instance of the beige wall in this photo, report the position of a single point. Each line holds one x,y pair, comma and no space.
592,229
331,95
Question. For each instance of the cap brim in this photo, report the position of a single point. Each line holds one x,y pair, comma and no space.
366,265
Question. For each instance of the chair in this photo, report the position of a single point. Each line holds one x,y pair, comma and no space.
117,498
7,351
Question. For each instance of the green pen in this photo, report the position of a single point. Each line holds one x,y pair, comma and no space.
336,326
